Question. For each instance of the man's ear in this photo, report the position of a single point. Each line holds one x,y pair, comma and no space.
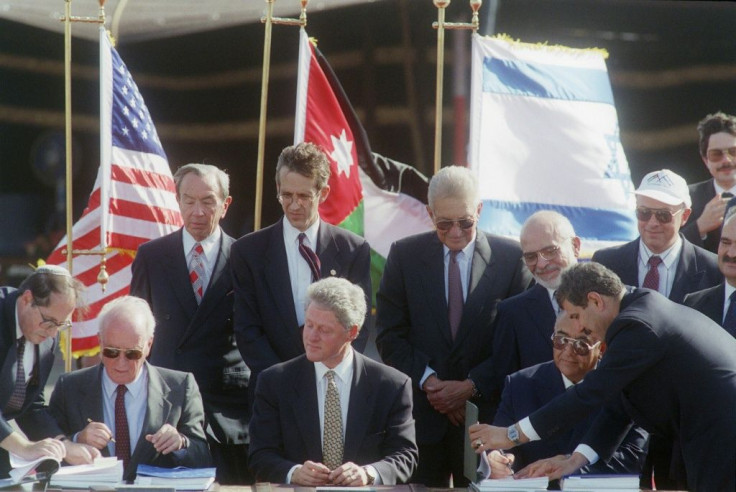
596,300
353,332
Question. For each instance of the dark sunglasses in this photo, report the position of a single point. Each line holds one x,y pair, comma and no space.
130,354
580,347
446,225
662,215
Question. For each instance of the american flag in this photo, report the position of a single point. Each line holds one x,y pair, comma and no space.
133,199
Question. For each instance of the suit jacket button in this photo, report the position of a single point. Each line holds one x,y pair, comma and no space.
333,272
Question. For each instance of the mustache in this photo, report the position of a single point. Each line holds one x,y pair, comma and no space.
725,167
728,259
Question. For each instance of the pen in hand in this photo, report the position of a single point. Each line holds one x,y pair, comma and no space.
508,464
89,421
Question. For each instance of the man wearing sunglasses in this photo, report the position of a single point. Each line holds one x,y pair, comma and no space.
128,408
529,389
671,368
661,258
525,322
30,320
436,306
717,147
185,277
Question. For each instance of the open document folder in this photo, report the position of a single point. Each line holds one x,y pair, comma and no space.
104,471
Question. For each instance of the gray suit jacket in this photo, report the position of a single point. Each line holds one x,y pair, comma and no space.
196,338
173,398
285,428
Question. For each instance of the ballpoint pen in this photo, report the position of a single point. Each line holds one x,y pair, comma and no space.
89,421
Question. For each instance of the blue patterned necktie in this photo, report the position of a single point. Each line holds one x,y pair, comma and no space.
19,390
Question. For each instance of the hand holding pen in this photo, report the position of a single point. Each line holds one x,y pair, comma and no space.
500,463
96,434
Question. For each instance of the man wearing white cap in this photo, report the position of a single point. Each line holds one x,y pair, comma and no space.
662,259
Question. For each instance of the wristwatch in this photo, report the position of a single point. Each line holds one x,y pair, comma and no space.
371,477
513,434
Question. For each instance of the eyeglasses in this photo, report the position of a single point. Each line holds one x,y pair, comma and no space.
548,254
446,225
52,323
662,215
130,354
580,347
719,154
302,199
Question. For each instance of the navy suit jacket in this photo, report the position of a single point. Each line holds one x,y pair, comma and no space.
532,388
285,429
522,333
414,328
33,417
173,398
674,370
196,338
697,268
710,302
265,316
700,194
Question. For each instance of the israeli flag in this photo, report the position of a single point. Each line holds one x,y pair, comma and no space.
544,135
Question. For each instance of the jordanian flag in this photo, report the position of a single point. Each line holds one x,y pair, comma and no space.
373,196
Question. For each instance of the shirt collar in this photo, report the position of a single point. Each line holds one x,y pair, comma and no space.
720,190
342,370
291,233
467,251
18,331
208,244
729,290
134,387
668,256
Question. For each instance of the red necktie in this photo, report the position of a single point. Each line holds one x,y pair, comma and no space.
454,294
651,280
122,435
310,257
197,274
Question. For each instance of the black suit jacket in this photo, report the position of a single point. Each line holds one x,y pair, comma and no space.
697,268
196,338
710,302
173,398
674,370
285,428
530,389
413,325
265,316
522,333
700,194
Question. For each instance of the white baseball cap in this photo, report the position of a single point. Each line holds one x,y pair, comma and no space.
666,187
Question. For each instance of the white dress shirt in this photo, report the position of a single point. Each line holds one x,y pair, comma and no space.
299,272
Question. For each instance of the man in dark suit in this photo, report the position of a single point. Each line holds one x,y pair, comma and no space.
716,302
30,319
273,267
524,324
530,389
293,439
436,306
163,408
185,278
672,369
661,258
710,198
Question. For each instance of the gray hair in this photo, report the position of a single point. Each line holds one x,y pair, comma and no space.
453,182
128,307
204,170
344,299
49,279
558,222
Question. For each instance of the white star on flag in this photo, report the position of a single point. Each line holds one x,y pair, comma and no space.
342,153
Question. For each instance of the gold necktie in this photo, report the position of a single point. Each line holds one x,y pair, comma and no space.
332,447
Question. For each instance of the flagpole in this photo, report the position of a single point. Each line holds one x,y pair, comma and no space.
68,19
441,25
268,21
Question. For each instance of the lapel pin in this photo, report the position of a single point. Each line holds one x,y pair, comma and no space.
333,272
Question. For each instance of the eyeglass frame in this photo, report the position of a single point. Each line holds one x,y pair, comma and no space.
730,151
130,354
468,223
574,343
287,199
554,252
658,213
64,325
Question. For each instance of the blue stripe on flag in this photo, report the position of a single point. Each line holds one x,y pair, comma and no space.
547,81
506,219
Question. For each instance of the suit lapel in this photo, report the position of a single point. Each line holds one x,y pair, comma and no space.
544,318
158,408
687,274
278,280
630,267
177,271
305,407
433,281
328,252
361,401
481,273
714,302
